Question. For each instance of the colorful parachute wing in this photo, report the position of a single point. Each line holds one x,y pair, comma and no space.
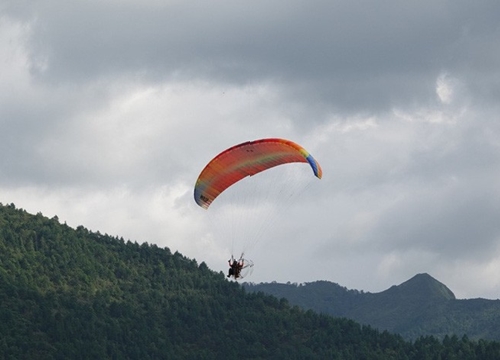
247,159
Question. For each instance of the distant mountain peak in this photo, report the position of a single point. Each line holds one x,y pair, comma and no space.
424,286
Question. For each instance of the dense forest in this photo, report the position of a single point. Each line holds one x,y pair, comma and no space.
71,293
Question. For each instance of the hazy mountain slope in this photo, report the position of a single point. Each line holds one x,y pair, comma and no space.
419,306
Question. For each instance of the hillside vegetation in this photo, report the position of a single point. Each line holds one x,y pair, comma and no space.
74,294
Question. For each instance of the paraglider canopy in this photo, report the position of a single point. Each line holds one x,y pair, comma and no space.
247,159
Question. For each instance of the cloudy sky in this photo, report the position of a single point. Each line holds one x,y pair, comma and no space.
110,109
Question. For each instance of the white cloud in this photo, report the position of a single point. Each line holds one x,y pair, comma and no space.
444,89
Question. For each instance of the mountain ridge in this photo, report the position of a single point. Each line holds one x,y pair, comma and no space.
426,286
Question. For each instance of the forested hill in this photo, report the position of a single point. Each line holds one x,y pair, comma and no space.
73,294
419,306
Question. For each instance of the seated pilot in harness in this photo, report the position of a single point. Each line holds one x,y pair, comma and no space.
235,267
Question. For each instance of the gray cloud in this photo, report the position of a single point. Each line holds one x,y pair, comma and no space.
109,110
362,58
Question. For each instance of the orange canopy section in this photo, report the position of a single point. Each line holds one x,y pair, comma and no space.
247,159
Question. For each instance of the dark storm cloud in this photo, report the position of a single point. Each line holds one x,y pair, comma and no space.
343,56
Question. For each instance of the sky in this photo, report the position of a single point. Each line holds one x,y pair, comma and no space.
110,109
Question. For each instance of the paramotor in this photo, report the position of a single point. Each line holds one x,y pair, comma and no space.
245,160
